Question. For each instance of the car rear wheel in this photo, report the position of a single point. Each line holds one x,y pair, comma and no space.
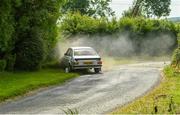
97,70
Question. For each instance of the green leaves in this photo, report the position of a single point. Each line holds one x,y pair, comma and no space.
2,65
36,32
6,27
156,8
93,8
149,8
17,20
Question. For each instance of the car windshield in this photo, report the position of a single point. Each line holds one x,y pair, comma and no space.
84,52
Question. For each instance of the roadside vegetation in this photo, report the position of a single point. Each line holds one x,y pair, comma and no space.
148,36
14,84
164,99
76,23
28,34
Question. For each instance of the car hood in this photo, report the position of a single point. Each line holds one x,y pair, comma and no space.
86,57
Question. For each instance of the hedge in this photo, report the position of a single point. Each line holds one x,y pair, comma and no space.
137,30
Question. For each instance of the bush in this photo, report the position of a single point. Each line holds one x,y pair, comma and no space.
6,27
176,56
52,64
30,54
10,62
17,18
39,16
2,65
148,36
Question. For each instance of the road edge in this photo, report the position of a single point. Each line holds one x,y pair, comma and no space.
156,84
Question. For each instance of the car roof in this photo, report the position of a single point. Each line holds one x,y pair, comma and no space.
76,48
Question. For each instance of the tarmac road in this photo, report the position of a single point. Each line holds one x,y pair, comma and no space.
93,93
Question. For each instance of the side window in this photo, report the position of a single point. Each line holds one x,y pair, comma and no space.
71,53
68,52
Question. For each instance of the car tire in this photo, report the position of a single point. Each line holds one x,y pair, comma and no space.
97,70
68,69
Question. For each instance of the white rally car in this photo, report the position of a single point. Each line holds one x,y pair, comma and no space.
81,58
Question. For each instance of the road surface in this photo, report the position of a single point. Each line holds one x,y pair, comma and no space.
94,93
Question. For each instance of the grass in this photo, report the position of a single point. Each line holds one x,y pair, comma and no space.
163,99
13,84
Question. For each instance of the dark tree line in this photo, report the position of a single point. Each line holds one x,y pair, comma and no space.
28,31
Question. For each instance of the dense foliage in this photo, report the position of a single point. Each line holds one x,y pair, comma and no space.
137,29
10,62
36,25
157,8
25,25
93,8
77,23
2,65
149,8
6,28
30,54
176,56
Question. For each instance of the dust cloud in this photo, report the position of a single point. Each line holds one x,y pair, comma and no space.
104,45
160,44
111,47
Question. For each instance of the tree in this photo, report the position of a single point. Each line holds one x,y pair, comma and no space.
156,8
35,28
149,8
28,31
94,8
6,27
76,6
130,13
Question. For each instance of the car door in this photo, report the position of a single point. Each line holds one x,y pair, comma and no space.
68,57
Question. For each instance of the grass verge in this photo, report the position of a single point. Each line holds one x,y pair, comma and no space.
18,83
163,99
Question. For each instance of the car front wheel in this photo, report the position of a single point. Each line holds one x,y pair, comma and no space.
68,69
